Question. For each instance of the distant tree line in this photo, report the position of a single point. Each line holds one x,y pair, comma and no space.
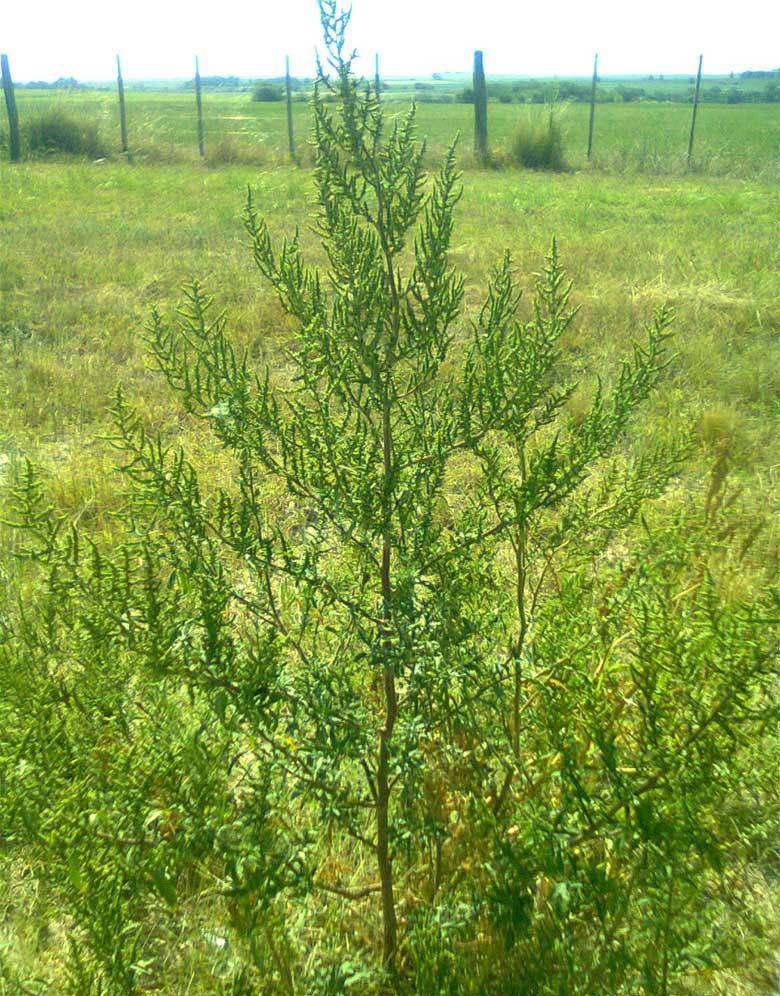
726,90
218,83
750,87
262,89
270,90
63,83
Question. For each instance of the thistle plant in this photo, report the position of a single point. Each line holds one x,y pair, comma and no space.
453,670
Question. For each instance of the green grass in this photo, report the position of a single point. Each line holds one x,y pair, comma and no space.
90,248
96,246
740,141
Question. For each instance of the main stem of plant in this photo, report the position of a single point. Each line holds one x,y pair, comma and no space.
384,860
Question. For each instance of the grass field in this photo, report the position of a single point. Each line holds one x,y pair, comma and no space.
647,137
88,248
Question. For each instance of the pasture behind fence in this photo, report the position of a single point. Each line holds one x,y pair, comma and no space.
207,118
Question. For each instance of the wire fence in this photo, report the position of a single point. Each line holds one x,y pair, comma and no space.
232,120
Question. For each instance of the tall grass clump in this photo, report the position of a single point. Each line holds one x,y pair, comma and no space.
538,144
56,131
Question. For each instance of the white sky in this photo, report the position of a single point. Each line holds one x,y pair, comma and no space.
47,39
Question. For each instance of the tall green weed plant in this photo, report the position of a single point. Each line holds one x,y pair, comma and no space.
436,693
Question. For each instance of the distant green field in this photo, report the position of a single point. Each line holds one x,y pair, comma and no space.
741,140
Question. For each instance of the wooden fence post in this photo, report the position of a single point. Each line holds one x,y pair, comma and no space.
199,108
480,110
288,87
14,144
120,85
592,105
377,85
695,106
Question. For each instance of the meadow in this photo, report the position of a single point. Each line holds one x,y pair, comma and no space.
89,248
731,140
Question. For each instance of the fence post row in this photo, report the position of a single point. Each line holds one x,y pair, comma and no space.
120,85
199,108
480,109
695,106
15,146
592,105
